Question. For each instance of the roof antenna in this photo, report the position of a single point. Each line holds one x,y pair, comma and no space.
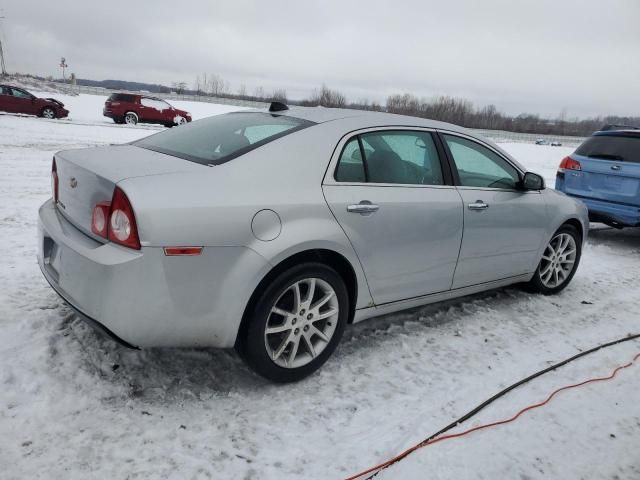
278,107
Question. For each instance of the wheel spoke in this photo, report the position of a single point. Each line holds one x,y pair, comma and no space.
315,331
296,296
281,348
281,312
311,292
327,314
561,273
310,347
546,268
278,329
294,351
322,301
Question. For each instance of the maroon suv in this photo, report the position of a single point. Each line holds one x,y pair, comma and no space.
17,100
131,108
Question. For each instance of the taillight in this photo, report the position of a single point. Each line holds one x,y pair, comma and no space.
54,181
569,163
100,219
115,221
122,227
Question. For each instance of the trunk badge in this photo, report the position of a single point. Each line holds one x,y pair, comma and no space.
73,182
616,167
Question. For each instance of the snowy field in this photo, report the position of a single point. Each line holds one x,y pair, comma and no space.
75,405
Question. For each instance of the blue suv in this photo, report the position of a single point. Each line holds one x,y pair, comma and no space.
604,172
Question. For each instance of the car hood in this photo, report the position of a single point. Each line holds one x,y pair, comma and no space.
53,100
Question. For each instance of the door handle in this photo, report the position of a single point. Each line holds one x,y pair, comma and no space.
478,205
365,207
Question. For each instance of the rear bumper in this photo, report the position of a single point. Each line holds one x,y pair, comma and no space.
107,113
142,297
611,213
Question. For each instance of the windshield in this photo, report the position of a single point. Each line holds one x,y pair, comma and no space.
623,148
221,138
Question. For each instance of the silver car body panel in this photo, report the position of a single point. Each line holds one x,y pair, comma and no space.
409,251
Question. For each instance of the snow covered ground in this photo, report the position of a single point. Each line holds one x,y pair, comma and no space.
75,405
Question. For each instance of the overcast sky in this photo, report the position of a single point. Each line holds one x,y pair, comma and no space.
539,56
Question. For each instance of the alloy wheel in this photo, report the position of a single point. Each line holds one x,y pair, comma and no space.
48,113
301,323
558,260
130,119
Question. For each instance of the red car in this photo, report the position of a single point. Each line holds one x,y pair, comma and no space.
130,108
17,100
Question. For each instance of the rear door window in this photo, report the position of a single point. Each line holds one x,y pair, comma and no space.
621,148
351,166
391,156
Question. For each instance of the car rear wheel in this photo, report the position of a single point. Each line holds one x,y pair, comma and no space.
296,323
559,262
130,118
48,112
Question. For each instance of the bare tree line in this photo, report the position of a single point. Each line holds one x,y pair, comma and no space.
463,112
459,111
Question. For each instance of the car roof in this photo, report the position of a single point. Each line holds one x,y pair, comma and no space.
618,133
365,118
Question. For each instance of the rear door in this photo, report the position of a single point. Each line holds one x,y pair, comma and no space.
394,200
610,169
504,227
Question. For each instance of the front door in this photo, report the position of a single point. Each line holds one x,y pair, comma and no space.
404,220
503,225
23,102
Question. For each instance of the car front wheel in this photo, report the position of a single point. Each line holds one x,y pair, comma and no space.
559,262
296,323
48,112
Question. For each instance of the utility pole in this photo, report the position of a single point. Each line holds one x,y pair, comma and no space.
4,69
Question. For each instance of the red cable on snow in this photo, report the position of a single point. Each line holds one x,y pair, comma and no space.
489,425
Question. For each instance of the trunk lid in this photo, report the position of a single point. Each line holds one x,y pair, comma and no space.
88,176
610,169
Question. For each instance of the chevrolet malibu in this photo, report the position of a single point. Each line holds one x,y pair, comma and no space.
270,231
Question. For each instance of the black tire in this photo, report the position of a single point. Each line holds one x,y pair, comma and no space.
536,285
251,343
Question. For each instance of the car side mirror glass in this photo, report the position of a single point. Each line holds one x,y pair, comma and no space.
532,181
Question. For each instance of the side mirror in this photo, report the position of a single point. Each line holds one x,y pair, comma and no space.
532,181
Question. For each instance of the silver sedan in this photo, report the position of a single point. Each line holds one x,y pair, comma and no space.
270,231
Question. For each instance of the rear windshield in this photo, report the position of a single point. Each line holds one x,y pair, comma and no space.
122,97
221,138
621,148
